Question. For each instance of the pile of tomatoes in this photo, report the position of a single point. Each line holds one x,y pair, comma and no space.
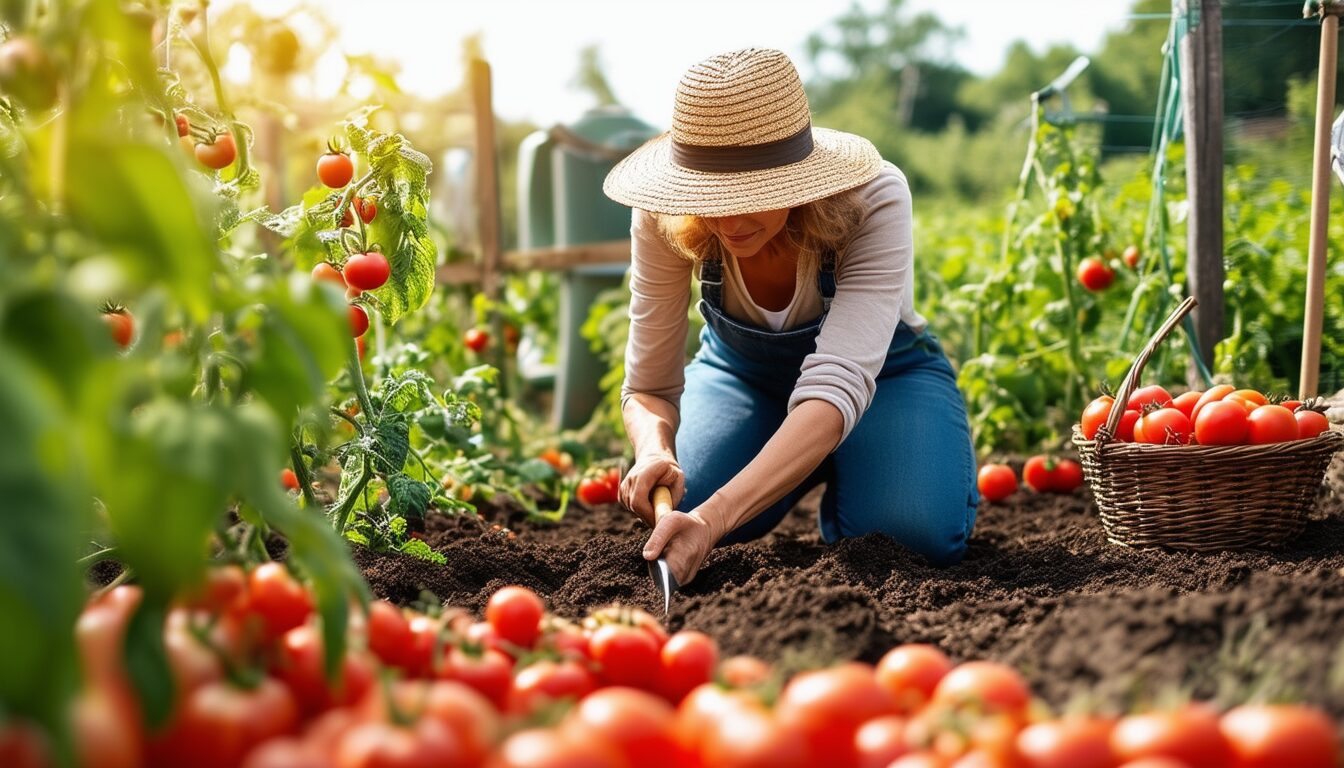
526,689
1222,415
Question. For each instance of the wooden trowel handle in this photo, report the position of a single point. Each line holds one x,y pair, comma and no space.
662,502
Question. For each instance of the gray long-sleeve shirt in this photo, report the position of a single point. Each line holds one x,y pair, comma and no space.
874,292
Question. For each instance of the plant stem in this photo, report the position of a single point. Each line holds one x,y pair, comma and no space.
348,503
357,378
301,471
106,553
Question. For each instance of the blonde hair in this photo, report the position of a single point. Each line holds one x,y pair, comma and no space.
811,229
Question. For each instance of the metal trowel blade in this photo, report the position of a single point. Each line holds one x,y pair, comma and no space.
664,580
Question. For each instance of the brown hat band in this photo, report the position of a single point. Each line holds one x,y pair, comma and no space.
754,157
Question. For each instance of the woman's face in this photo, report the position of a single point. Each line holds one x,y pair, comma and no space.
744,235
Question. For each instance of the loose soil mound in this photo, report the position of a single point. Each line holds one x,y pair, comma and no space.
1040,588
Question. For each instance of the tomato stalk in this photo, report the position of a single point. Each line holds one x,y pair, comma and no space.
301,472
202,45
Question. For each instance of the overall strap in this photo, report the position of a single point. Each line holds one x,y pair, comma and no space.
711,281
826,280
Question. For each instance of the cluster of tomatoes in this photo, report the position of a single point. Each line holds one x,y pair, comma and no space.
600,486
1096,273
366,271
526,689
1041,473
1222,415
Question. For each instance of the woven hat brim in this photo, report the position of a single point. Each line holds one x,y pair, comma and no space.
648,178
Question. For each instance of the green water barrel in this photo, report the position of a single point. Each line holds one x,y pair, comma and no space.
561,204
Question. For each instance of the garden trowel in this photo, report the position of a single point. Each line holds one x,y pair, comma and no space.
662,575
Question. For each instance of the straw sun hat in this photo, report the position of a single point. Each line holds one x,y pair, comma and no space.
742,141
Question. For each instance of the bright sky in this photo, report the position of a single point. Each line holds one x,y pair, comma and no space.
533,45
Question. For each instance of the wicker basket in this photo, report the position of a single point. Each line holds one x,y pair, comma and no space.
1201,497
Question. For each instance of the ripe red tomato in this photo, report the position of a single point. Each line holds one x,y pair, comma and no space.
106,729
424,742
993,686
1165,426
1068,476
1186,401
1214,394
637,724
827,706
348,217
281,602
389,633
335,169
1266,735
367,271
299,665
1071,742
547,681
289,480
1221,423
223,590
688,659
515,613
1271,424
100,635
625,655
1310,424
219,723
1095,415
996,482
1036,473
359,320
1153,393
880,741
476,339
594,491
183,125
551,748
743,671
750,736
466,712
1189,734
121,325
367,208
325,271
1131,257
1094,274
219,155
488,672
910,673
287,752
1253,395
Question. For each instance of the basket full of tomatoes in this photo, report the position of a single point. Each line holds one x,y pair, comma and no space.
1214,470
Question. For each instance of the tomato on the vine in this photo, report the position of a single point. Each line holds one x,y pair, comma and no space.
324,270
488,672
996,482
120,323
359,320
219,723
367,271
910,672
289,480
1094,274
299,665
1131,256
476,339
389,633
335,169
218,155
367,208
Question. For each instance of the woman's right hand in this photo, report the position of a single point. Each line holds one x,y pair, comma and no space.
649,472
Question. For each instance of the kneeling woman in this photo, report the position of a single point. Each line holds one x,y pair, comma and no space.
814,366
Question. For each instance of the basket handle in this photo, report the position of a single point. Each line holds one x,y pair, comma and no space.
1107,432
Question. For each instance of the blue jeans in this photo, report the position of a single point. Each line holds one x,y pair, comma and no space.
906,470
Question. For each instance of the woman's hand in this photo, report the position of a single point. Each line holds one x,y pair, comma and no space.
647,473
685,540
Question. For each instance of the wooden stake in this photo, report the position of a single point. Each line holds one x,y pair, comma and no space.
487,177
1320,206
1202,102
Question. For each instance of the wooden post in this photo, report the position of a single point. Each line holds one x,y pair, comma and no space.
1202,103
1320,203
487,177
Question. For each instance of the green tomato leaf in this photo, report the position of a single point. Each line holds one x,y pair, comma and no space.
147,659
408,497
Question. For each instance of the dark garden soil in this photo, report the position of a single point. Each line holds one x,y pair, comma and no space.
1087,622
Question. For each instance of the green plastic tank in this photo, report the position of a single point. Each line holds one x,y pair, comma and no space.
560,174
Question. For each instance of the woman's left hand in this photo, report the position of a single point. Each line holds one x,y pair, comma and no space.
685,539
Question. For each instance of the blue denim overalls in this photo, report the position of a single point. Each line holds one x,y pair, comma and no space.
907,469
